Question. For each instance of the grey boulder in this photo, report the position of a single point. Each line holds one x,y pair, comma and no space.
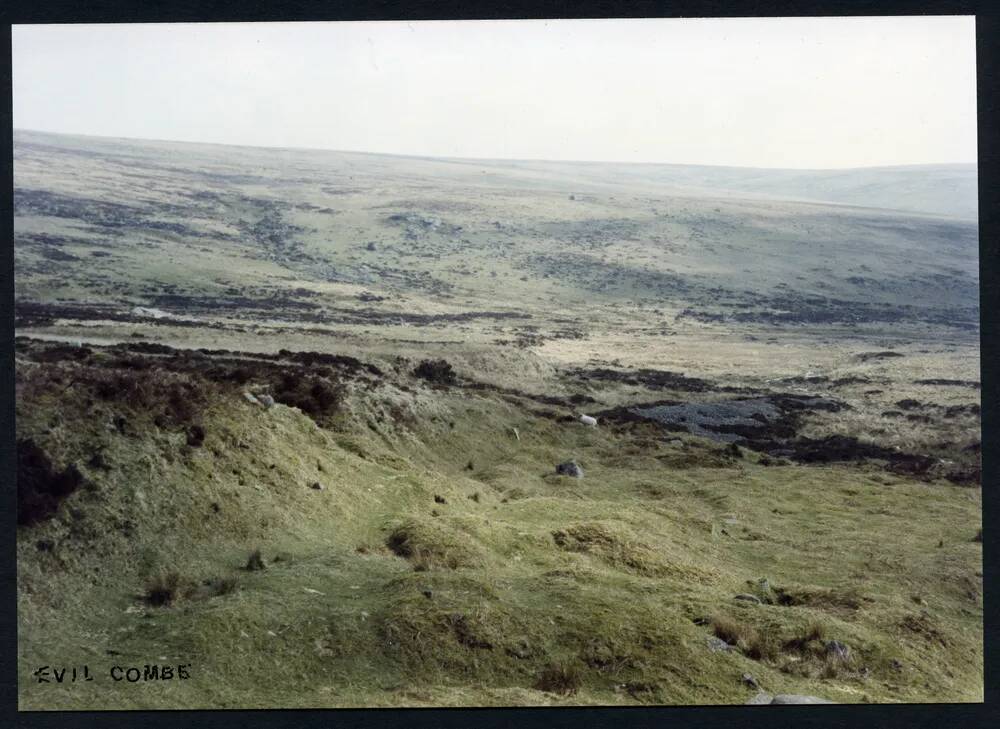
763,698
838,650
717,645
569,468
798,699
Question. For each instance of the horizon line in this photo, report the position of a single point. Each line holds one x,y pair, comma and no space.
500,159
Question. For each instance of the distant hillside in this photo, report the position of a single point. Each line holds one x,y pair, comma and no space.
948,189
941,189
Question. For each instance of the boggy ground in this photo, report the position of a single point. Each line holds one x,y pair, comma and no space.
417,548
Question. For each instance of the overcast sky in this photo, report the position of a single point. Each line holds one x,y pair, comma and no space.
802,93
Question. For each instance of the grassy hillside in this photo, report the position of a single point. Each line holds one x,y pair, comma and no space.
444,563
787,397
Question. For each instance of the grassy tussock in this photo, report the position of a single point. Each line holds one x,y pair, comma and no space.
432,544
560,678
830,599
165,588
757,644
441,635
620,548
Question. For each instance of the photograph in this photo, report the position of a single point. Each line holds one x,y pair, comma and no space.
497,363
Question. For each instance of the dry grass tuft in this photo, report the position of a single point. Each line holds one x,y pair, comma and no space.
560,678
758,645
165,588
619,548
729,630
255,562
433,544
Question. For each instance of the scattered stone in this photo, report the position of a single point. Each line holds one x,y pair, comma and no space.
256,562
569,468
317,486
760,698
266,400
428,594
838,650
798,699
250,398
439,499
748,598
716,645
750,681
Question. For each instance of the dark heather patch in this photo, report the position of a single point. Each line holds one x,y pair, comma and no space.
953,383
653,379
868,356
40,486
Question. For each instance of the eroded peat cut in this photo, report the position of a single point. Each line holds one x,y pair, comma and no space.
343,430
771,425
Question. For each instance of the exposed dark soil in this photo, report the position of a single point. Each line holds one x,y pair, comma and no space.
800,309
770,424
868,356
653,379
172,386
956,383
239,306
41,486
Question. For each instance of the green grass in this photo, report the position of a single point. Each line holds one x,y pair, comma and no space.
545,590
